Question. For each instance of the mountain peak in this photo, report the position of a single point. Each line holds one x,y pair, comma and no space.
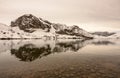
29,22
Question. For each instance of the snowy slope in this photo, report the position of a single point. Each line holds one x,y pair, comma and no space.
15,32
5,31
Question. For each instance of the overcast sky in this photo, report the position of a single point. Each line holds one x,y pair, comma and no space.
92,15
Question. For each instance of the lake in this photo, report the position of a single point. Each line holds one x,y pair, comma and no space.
60,58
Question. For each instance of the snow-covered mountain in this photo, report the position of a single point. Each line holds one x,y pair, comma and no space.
29,26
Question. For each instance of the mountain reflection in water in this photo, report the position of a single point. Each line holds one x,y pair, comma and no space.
60,59
31,51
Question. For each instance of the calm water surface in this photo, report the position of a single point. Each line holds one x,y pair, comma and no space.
60,59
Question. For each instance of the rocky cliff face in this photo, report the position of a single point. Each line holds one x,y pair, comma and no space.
29,23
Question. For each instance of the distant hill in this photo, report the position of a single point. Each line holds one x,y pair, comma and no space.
106,35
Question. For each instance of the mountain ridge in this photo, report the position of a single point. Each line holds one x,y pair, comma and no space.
29,23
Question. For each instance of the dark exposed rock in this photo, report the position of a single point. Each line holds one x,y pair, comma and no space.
28,23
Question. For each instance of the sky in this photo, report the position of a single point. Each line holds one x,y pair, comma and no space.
91,15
